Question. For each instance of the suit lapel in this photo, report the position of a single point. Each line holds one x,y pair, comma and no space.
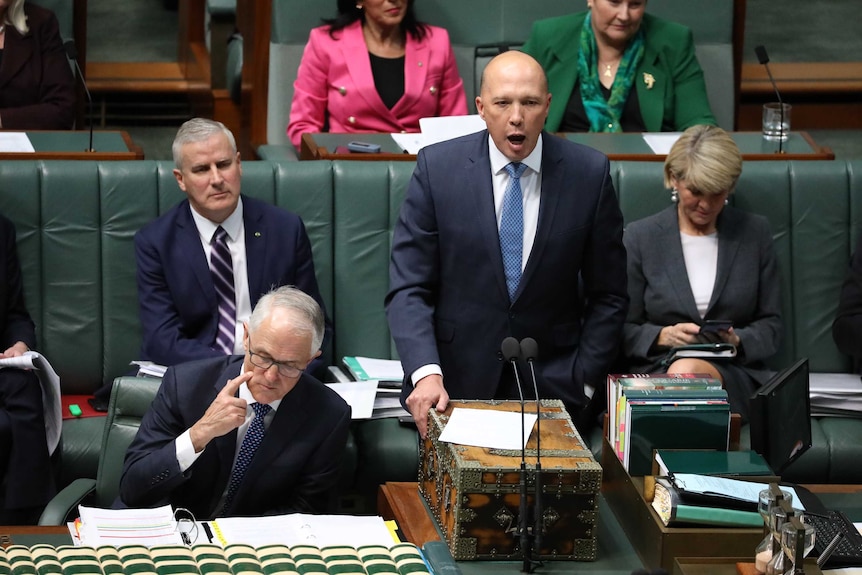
255,247
728,246
416,60
651,85
354,51
552,184
187,235
17,51
479,178
669,242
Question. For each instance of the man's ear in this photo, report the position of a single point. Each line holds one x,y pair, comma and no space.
179,177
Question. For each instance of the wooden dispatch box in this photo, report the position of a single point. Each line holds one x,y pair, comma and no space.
474,494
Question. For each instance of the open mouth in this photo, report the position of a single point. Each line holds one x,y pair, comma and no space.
516,139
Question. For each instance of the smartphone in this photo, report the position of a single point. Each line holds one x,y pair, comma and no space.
709,331
363,147
716,325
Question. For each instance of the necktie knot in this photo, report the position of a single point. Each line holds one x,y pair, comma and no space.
260,409
219,236
515,169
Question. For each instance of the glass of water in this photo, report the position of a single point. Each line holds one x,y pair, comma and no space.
776,121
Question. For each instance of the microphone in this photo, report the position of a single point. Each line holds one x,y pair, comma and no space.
763,58
511,351
530,351
72,53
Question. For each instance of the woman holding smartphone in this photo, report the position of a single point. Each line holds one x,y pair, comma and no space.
699,261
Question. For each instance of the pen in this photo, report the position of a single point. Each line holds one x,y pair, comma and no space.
207,530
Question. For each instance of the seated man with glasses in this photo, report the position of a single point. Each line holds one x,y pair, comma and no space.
244,435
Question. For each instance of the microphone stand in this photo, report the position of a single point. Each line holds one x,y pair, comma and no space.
763,58
511,351
530,350
72,53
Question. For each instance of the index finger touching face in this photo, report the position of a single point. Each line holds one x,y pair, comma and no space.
233,384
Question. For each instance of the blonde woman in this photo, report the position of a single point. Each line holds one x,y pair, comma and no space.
699,260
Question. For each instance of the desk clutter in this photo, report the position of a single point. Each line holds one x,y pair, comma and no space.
208,559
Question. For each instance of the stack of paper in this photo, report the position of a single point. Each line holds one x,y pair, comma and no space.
116,527
368,368
50,382
370,399
836,394
303,529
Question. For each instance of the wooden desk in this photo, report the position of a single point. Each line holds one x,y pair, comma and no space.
618,147
34,534
616,556
109,145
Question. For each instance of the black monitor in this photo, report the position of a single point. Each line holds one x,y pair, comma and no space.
780,417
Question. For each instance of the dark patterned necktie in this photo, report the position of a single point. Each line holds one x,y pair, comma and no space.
221,267
253,437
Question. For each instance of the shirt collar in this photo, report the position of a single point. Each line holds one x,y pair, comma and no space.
232,224
500,161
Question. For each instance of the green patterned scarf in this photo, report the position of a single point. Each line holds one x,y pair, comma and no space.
604,115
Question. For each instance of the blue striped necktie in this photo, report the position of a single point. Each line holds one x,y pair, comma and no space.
221,267
253,437
512,227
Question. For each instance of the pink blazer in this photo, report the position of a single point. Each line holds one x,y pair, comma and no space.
335,80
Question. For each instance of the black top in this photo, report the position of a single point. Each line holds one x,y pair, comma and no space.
575,117
388,78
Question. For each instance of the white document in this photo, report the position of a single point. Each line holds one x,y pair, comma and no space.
16,142
366,368
439,129
712,485
359,395
304,529
661,142
488,428
147,527
149,368
50,383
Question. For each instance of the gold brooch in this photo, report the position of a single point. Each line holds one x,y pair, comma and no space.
649,80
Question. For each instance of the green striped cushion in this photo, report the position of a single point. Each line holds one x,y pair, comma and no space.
210,559
276,560
136,560
4,563
45,559
174,560
242,559
377,560
81,561
408,559
20,560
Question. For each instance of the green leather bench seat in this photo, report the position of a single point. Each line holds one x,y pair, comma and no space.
76,222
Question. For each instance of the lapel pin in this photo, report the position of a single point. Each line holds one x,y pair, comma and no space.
649,80
257,234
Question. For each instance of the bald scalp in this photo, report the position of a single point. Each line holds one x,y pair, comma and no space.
513,58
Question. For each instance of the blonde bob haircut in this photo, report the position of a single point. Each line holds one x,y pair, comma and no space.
16,17
706,158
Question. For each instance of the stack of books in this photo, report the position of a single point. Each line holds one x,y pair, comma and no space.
680,411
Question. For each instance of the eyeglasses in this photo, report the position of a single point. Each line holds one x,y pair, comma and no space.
265,363
187,525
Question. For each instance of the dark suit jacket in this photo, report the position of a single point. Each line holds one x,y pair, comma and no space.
747,286
448,302
294,470
847,327
179,310
36,82
677,99
14,319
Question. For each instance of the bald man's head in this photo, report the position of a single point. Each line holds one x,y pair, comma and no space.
514,102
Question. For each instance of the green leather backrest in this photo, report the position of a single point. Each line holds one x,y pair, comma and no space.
76,223
130,399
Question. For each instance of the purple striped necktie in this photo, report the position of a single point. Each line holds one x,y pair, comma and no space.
221,267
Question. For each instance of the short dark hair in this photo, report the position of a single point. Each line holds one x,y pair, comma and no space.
348,13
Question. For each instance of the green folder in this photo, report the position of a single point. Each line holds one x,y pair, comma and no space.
711,462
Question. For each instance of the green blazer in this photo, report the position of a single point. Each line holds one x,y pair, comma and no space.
677,98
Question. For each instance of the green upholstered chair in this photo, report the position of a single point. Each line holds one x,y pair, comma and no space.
130,399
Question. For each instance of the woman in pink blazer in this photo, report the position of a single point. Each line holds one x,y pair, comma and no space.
374,68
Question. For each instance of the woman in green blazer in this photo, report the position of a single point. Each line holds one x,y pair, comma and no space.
614,68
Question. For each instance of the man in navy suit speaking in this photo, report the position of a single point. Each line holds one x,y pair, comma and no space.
507,232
